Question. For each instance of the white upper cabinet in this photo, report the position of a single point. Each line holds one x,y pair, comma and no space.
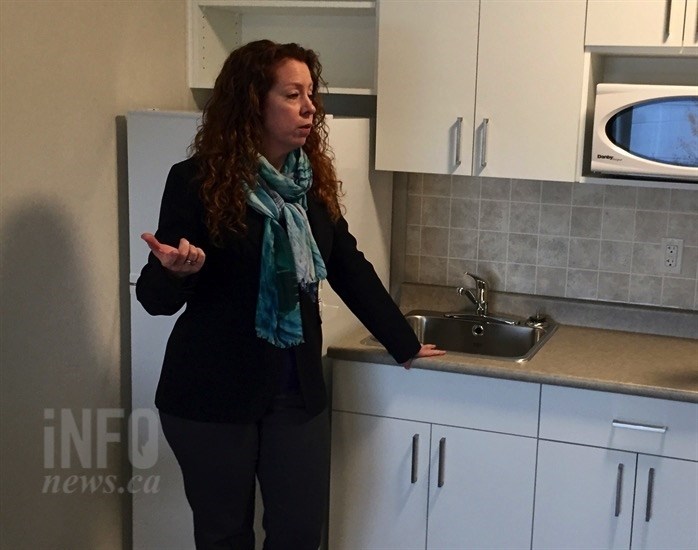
648,26
690,31
521,76
427,57
529,88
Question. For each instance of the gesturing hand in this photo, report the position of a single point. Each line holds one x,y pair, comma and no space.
427,350
182,261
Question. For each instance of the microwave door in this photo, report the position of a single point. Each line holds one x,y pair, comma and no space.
663,131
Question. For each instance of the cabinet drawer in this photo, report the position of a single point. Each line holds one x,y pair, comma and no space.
628,422
438,397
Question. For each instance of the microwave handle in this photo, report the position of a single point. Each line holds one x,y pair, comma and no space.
667,19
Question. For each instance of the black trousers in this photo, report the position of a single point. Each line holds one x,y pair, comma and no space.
287,450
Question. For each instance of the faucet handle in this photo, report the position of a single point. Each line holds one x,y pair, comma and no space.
480,283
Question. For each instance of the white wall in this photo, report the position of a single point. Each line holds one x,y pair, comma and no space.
69,69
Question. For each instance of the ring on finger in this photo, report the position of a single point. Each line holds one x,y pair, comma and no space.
189,262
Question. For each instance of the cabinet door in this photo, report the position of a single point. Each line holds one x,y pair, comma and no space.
690,31
529,86
379,483
666,504
635,23
481,490
427,55
584,497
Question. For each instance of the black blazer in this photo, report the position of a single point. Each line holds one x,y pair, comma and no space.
215,367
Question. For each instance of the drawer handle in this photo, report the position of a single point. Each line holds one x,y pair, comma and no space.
650,490
415,457
639,427
442,461
619,488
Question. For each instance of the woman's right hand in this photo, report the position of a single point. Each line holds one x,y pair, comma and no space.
427,350
185,260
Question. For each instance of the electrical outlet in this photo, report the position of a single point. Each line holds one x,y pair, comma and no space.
670,259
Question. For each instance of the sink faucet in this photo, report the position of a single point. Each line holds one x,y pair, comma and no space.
477,295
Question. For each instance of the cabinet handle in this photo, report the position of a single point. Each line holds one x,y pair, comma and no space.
640,427
667,19
459,135
619,488
483,143
650,490
442,461
415,457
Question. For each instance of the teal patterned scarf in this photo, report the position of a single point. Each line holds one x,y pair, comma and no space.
290,257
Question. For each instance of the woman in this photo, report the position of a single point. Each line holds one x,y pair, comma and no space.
248,227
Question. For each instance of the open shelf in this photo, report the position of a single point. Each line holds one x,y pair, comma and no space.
626,69
342,32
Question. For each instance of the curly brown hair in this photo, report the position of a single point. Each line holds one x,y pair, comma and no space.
229,139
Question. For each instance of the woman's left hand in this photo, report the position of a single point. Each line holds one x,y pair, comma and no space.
427,350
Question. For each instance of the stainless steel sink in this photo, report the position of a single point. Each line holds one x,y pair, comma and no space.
487,335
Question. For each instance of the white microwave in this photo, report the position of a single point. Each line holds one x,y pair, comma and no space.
646,131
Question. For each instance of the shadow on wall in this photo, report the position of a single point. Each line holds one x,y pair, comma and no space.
51,361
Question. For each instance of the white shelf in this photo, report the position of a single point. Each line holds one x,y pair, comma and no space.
350,91
293,7
342,32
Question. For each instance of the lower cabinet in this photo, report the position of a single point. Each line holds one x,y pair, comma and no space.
584,497
480,490
591,496
401,485
666,504
379,485
434,460
424,480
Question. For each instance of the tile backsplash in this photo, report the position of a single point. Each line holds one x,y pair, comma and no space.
581,241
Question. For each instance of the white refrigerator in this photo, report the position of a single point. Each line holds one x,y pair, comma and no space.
157,140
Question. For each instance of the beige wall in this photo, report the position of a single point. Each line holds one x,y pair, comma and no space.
69,68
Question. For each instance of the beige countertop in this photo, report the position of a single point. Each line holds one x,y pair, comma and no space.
599,359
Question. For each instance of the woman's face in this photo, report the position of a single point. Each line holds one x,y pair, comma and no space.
288,111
